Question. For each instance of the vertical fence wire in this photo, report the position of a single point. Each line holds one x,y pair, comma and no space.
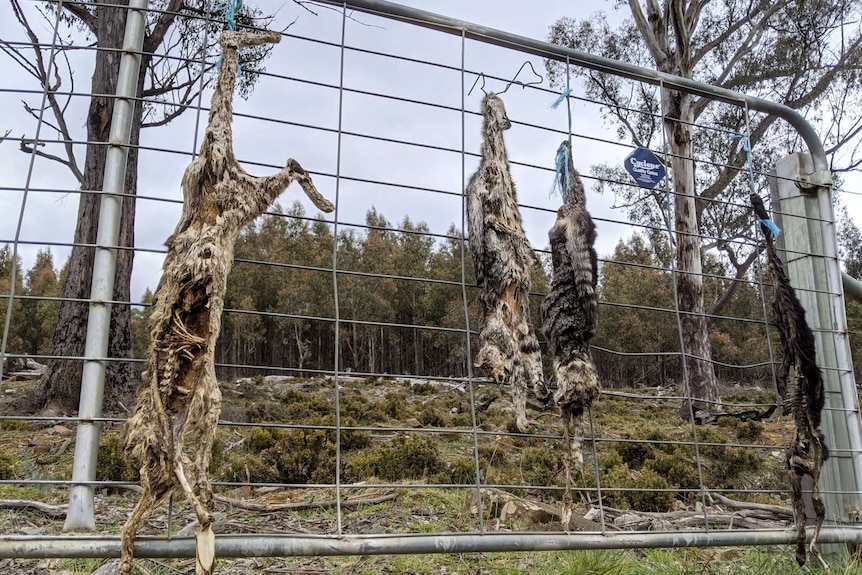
468,349
13,273
761,287
337,346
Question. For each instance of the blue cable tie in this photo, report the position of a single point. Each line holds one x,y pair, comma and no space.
747,148
563,95
231,7
562,171
562,165
229,11
771,226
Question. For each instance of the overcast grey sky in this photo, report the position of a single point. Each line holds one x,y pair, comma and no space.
51,216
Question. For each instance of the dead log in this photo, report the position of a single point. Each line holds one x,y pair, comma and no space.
776,510
300,505
179,401
703,417
528,513
53,511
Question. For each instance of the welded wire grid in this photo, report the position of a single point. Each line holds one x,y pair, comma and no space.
344,117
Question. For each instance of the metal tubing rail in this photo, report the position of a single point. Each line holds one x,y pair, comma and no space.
456,27
81,514
852,286
95,546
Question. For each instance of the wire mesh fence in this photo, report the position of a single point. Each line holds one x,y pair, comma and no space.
353,420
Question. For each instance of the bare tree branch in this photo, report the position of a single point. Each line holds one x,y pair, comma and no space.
681,33
729,32
747,46
737,158
853,52
82,13
846,138
165,21
31,147
15,53
616,107
50,91
180,108
656,47
741,269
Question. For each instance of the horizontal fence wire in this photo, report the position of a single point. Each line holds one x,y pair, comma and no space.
336,383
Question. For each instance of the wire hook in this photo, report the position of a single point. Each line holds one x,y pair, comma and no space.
522,84
476,81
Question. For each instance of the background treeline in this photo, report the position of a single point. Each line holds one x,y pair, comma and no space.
401,306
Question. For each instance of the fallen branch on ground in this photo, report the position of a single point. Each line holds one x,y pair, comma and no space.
54,511
774,509
298,505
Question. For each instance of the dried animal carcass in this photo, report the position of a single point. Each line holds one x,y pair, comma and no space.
179,400
805,398
503,260
570,309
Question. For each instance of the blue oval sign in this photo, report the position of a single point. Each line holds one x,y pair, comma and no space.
645,168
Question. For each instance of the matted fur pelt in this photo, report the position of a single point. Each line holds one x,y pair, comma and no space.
179,401
805,398
503,260
570,309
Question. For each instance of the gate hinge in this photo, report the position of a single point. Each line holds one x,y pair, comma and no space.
822,178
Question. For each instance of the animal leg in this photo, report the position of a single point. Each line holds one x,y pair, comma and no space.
519,397
208,408
205,540
292,171
147,503
799,514
203,515
531,359
575,453
568,507
819,512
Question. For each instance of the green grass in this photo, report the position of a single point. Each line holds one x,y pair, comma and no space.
734,561
712,561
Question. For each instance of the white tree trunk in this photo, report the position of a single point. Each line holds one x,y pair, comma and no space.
699,372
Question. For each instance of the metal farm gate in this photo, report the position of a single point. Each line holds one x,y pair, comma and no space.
343,96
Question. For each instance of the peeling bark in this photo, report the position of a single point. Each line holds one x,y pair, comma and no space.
702,387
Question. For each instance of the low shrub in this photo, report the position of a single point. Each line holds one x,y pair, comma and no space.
9,464
403,457
112,464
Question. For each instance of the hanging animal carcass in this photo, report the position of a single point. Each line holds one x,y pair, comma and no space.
179,401
503,261
570,309
805,397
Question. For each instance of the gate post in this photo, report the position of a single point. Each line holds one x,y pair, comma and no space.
810,251
81,494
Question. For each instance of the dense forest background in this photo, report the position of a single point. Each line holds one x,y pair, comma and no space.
401,306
